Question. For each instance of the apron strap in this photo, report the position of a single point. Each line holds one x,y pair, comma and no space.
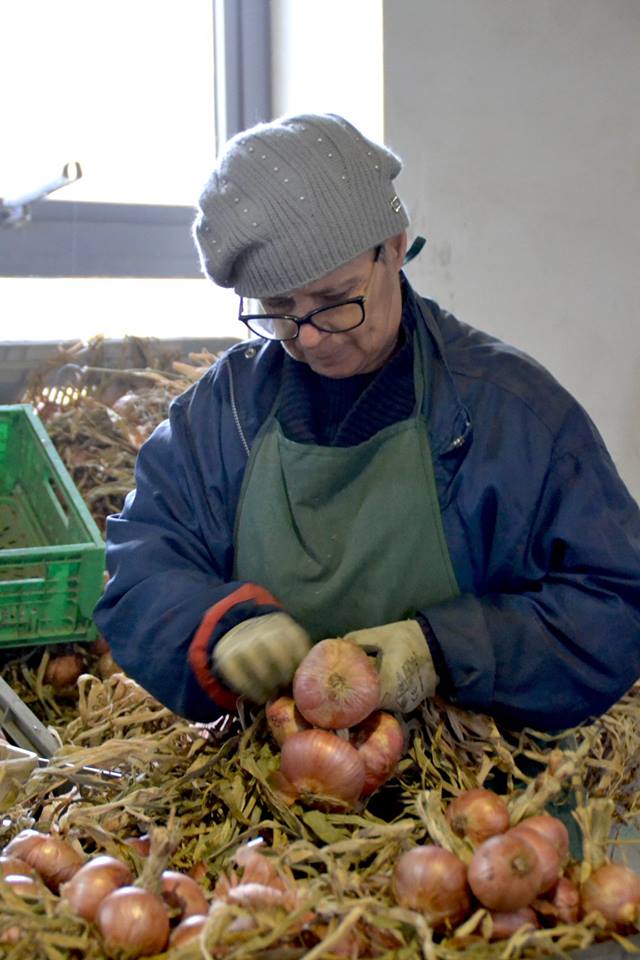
415,248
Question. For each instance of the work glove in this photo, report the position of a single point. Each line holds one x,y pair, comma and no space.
258,656
403,659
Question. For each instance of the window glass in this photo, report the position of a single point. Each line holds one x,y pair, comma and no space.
126,89
39,308
123,87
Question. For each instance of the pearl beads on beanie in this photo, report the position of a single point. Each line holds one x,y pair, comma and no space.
292,200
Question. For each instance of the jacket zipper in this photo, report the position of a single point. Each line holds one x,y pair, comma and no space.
234,410
460,440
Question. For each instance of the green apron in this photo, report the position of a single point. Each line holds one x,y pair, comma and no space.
346,537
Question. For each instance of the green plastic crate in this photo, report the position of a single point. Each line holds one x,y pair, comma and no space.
51,551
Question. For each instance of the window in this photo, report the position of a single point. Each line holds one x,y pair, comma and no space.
126,89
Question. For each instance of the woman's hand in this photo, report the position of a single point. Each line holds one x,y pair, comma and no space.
259,656
403,659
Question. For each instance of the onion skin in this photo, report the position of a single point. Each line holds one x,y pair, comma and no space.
336,685
133,920
548,855
478,814
182,892
553,829
320,764
92,882
187,930
613,890
504,925
433,881
505,873
284,719
380,742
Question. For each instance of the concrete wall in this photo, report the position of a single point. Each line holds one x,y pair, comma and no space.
327,58
518,123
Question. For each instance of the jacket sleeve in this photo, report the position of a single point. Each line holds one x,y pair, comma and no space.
558,641
170,560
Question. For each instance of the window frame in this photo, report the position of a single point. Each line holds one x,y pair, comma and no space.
87,239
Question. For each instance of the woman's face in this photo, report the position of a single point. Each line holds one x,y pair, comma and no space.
367,347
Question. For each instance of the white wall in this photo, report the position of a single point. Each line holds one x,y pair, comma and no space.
327,58
518,125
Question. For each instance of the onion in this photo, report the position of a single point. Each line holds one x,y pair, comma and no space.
562,902
14,865
92,882
380,742
259,895
198,871
134,920
141,844
12,934
63,671
320,764
106,666
26,887
99,646
284,718
504,925
434,881
55,860
553,829
182,892
478,814
336,685
256,868
23,843
350,944
613,890
240,922
505,873
187,930
548,855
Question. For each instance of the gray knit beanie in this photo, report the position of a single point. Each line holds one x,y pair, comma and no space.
293,200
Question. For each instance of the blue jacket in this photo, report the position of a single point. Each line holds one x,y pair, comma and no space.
543,535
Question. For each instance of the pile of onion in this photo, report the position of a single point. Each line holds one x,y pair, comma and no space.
515,872
101,890
54,859
337,746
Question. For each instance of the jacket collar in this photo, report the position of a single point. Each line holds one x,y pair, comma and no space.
450,425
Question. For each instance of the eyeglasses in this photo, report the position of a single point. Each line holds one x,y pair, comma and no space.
336,318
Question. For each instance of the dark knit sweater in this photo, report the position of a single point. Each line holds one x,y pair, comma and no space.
343,412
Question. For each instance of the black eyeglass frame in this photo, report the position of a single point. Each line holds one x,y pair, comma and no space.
310,317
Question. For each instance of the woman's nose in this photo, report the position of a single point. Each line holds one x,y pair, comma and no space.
309,336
